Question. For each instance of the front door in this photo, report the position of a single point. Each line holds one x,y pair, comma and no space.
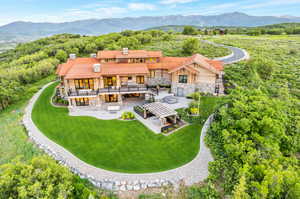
110,81
180,92
111,98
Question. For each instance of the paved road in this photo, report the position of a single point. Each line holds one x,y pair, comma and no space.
237,55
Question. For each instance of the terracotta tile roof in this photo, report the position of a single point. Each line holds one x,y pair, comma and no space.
109,54
217,64
79,68
168,63
63,69
83,67
211,65
123,69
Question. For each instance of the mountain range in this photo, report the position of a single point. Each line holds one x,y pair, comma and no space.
24,30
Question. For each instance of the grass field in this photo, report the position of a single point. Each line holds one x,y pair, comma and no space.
113,144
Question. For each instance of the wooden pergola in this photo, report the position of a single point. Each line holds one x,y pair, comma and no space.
161,111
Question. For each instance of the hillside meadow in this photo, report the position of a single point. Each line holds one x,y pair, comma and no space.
255,138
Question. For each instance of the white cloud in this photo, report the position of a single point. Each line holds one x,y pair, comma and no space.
141,6
175,1
270,3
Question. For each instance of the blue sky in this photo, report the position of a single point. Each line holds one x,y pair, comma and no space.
70,10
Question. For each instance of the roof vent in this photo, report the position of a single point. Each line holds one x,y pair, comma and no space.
97,68
72,56
93,55
125,51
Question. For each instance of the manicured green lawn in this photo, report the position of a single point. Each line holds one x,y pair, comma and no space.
124,146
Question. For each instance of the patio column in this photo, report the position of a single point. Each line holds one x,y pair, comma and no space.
70,102
101,83
118,81
175,119
120,98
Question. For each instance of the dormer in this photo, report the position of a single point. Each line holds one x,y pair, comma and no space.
97,68
72,56
125,51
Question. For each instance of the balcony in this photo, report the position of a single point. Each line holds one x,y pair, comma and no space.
112,90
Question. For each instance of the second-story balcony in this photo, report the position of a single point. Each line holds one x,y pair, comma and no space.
112,90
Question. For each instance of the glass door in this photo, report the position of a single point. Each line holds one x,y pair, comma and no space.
110,81
111,98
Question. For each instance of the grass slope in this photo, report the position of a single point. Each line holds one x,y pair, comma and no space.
14,142
115,145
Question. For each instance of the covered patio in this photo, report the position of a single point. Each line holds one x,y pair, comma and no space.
166,115
158,117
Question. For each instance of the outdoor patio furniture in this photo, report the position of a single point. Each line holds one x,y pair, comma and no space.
113,109
170,100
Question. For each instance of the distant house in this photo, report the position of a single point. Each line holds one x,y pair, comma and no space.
115,76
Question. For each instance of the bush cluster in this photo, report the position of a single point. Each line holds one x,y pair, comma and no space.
128,116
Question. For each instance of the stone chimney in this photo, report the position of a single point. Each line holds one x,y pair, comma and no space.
72,56
93,55
125,51
97,68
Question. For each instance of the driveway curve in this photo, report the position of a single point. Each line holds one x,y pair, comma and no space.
237,54
192,172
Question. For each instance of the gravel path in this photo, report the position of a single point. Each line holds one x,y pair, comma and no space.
192,172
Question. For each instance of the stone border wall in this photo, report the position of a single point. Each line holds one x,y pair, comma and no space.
190,173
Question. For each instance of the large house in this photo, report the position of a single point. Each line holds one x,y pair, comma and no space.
114,76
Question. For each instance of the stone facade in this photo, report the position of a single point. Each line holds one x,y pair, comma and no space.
185,89
206,87
159,81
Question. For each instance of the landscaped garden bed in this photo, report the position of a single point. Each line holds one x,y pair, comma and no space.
58,101
127,116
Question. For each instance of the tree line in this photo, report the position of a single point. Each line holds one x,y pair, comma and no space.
277,29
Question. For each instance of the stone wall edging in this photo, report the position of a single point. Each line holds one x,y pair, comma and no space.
192,172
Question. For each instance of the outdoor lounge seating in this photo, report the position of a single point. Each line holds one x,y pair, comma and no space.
170,100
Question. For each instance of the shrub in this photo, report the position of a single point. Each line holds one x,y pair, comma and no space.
190,46
194,111
127,116
194,96
41,177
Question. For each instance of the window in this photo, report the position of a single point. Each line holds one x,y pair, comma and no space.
152,73
82,101
110,81
111,98
140,79
182,79
129,78
84,83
